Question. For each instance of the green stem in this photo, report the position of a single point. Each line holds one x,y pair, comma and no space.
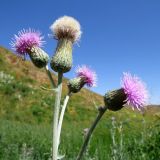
50,76
55,118
89,133
62,115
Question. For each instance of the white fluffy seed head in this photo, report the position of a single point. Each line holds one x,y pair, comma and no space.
66,27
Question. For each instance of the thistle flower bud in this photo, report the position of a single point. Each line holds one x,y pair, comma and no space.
62,60
38,57
84,76
75,84
133,93
114,100
67,31
29,42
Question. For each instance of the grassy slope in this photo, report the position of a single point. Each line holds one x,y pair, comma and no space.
25,95
24,102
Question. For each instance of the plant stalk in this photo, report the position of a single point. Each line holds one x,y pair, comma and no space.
62,116
50,77
90,131
55,118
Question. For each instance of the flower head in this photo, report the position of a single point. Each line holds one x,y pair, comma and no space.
88,75
135,90
25,40
66,27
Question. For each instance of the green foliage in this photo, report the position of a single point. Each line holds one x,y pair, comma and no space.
19,140
26,117
33,142
146,146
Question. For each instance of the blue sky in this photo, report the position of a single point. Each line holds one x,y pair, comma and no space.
118,35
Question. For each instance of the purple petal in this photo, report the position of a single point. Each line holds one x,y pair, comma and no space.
89,75
25,40
136,91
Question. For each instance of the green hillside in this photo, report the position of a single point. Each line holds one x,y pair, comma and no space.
24,97
26,117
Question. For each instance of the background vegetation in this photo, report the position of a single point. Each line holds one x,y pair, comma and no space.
26,117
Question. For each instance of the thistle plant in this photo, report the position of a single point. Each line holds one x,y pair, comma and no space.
29,42
133,92
85,76
67,31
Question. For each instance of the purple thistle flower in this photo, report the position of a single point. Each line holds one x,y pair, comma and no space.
89,76
25,40
135,90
